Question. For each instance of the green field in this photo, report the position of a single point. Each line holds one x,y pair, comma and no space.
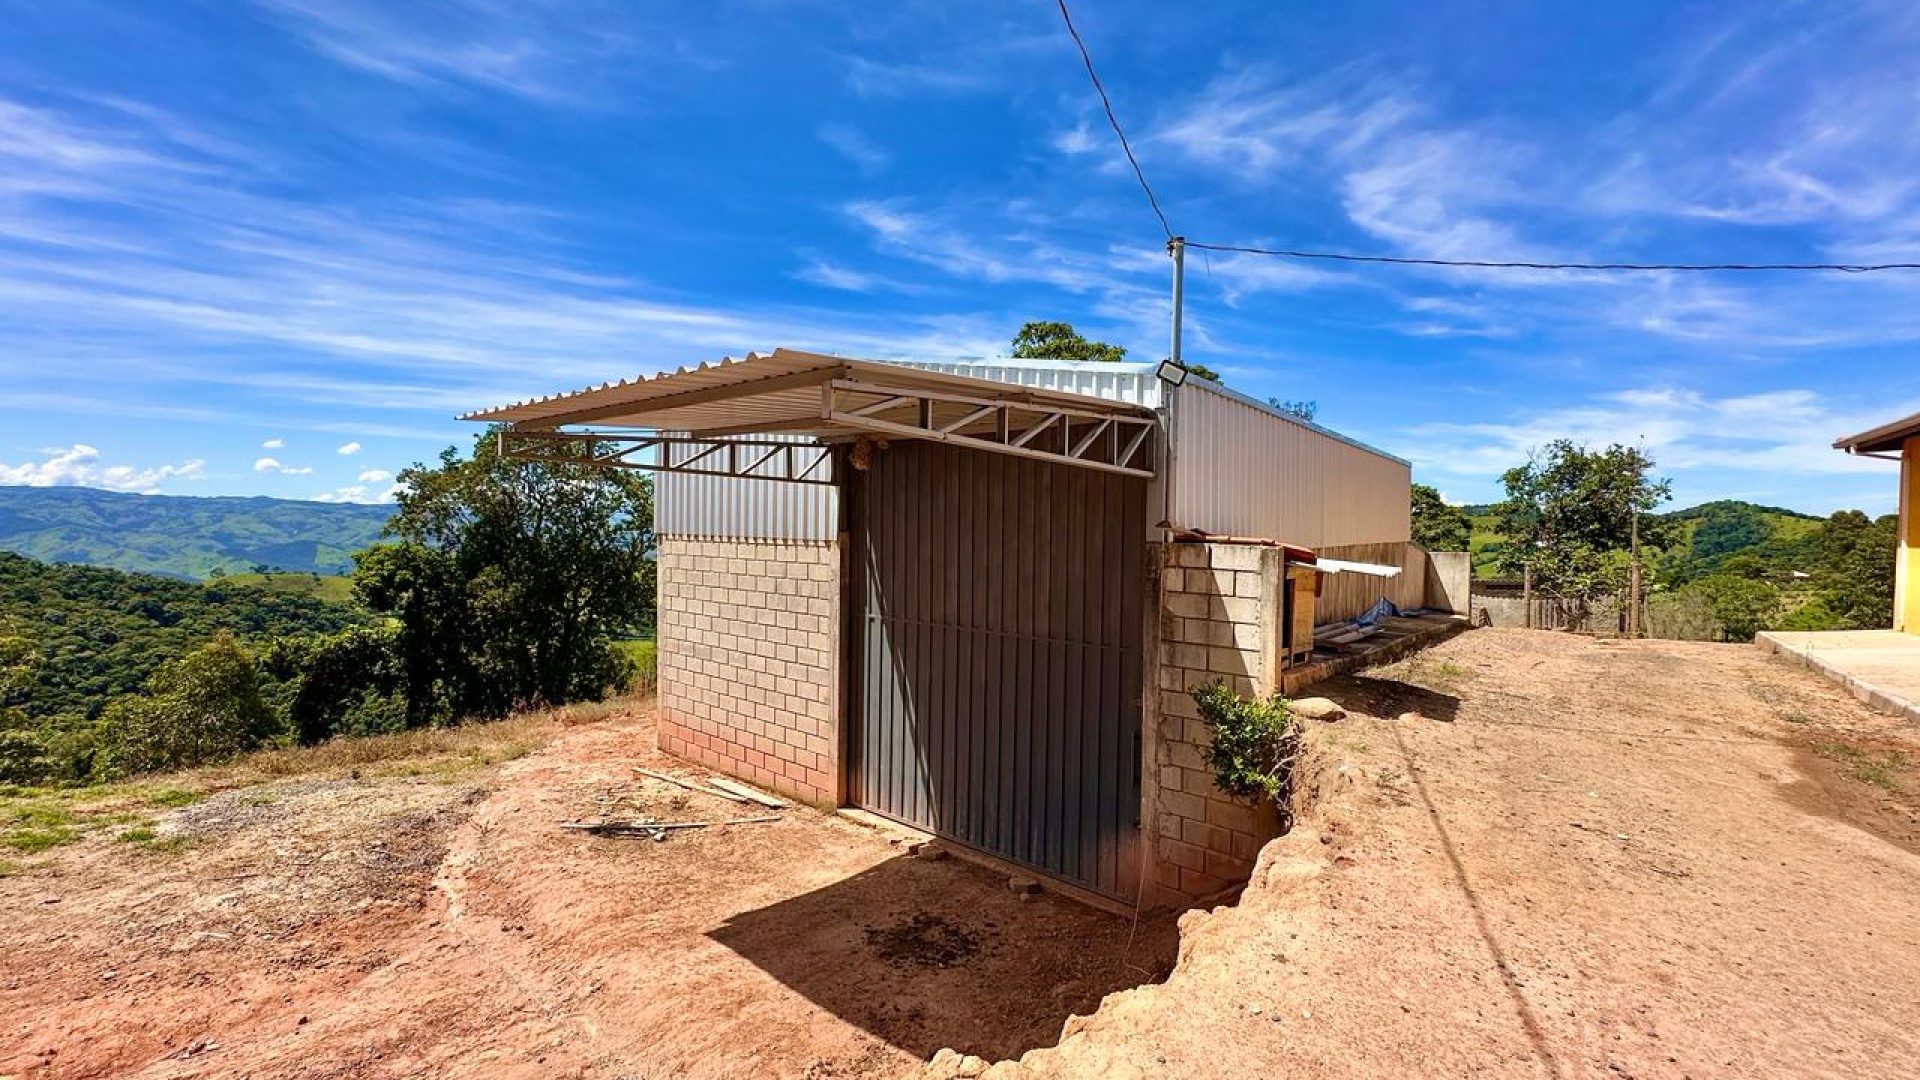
332,588
645,654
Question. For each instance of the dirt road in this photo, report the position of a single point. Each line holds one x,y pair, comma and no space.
1584,859
1580,859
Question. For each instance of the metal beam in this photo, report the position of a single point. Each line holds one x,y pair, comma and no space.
888,427
797,462
751,388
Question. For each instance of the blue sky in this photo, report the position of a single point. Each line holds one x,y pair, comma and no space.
274,246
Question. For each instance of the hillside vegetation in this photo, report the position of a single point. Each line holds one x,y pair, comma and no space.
504,585
99,633
1731,568
184,536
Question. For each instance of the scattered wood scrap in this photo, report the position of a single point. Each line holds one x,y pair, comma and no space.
654,830
746,792
691,786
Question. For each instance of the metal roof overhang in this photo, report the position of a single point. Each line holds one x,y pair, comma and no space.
1887,438
701,420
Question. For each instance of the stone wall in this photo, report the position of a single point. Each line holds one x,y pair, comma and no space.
747,665
1220,607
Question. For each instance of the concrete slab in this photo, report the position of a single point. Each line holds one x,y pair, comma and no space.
1397,638
1880,667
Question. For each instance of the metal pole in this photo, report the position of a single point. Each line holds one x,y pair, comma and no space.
1177,247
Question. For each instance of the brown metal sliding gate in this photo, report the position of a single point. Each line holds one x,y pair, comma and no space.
996,659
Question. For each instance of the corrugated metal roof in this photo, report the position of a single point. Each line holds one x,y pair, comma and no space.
1880,440
776,392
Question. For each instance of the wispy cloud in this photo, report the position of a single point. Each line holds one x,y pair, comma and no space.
275,466
273,444
79,465
348,449
854,145
535,49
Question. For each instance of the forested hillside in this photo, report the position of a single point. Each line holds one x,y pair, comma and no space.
99,633
183,536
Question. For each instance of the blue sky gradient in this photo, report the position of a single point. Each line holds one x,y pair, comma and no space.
274,246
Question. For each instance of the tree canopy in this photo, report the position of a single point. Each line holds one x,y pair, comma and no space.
1060,341
1438,526
1570,513
510,579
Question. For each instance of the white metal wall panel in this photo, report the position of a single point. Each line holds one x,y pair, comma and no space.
1132,383
724,507
1242,469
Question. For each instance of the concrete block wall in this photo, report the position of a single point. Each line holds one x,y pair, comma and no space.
747,665
1220,609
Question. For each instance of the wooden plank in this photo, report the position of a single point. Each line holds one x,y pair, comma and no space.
690,785
753,794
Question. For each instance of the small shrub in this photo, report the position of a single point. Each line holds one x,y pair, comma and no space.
1252,741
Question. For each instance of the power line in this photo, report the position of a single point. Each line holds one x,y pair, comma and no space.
1114,121
1490,264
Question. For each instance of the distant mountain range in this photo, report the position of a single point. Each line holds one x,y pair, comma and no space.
184,536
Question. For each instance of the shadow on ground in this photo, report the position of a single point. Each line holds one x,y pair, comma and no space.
927,955
1388,698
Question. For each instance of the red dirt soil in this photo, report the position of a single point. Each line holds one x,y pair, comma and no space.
401,927
1581,859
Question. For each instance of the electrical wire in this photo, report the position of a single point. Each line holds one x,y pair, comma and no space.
1114,121
1490,264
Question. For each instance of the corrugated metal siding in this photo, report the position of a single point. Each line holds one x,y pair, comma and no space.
998,647
1344,596
1131,383
724,508
1240,469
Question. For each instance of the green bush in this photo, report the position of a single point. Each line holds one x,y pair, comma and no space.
203,707
1251,749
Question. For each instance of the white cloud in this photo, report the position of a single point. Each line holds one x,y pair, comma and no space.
854,145
273,444
1760,436
79,466
349,449
374,476
359,493
1076,140
273,465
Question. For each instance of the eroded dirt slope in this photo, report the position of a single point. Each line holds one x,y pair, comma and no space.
1646,859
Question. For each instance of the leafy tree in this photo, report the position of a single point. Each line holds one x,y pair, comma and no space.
1570,511
23,755
347,683
510,580
1305,410
205,706
1854,574
1060,341
1743,606
1436,525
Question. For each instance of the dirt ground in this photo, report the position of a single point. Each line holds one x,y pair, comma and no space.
443,925
1581,859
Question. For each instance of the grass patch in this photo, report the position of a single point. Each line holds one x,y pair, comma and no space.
1879,768
174,797
33,827
139,834
8,869
645,654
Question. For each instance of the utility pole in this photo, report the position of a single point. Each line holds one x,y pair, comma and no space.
1177,247
1633,581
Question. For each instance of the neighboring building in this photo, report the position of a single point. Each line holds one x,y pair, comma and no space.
1900,441
943,593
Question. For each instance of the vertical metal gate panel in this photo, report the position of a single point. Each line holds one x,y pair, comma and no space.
997,675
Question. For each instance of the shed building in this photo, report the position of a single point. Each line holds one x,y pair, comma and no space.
943,592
